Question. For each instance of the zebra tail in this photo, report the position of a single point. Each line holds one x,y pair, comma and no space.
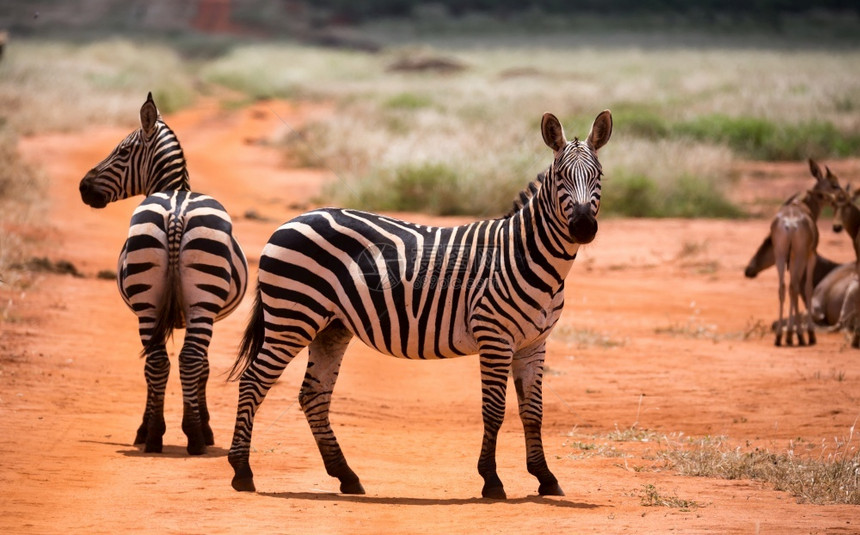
252,341
168,315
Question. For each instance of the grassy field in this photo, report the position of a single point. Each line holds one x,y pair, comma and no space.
682,117
464,140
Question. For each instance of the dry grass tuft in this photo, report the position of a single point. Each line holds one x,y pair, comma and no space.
831,478
651,497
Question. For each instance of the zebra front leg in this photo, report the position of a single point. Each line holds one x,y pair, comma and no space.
527,371
151,430
495,369
325,355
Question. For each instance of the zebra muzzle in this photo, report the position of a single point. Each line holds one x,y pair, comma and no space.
92,196
583,225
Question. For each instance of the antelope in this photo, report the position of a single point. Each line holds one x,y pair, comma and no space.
847,215
834,299
794,236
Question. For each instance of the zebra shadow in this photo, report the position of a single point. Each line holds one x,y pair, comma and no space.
388,500
173,452
168,451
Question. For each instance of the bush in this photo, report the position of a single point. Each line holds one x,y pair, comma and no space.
637,195
429,187
762,139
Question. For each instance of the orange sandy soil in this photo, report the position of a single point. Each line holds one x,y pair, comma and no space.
652,336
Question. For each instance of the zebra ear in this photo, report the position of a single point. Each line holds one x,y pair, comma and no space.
553,132
601,130
148,115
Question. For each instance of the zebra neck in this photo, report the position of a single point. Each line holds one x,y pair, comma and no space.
546,238
176,180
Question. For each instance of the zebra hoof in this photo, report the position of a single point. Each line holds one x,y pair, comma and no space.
244,484
353,487
208,436
812,339
140,437
153,445
494,493
550,489
196,448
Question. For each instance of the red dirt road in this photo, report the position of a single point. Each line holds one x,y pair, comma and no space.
652,335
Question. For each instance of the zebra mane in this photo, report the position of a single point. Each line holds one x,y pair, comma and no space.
175,165
527,193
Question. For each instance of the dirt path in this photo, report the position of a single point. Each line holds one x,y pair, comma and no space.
652,335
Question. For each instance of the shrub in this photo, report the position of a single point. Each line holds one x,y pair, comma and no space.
429,187
763,139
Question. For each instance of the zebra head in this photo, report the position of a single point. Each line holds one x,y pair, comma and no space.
147,161
575,173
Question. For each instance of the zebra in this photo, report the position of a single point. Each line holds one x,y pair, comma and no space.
180,267
492,287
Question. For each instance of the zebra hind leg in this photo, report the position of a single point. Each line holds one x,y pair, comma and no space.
193,372
528,380
203,407
151,430
325,355
262,372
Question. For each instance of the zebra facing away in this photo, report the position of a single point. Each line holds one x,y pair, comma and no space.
492,287
180,267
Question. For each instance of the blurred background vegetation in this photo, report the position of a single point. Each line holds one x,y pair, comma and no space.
437,105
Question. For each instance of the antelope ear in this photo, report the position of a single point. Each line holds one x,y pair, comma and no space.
815,169
832,179
601,130
148,115
553,132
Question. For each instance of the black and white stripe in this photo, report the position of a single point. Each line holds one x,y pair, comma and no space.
493,287
180,267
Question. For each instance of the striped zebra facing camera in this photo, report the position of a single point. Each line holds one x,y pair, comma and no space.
180,267
494,287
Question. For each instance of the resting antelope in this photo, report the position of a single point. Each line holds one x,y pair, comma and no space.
834,299
847,215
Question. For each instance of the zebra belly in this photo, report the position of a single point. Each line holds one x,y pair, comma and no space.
311,301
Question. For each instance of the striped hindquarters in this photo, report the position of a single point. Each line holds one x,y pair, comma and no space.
180,264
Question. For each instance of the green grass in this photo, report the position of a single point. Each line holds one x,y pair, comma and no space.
429,187
684,196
